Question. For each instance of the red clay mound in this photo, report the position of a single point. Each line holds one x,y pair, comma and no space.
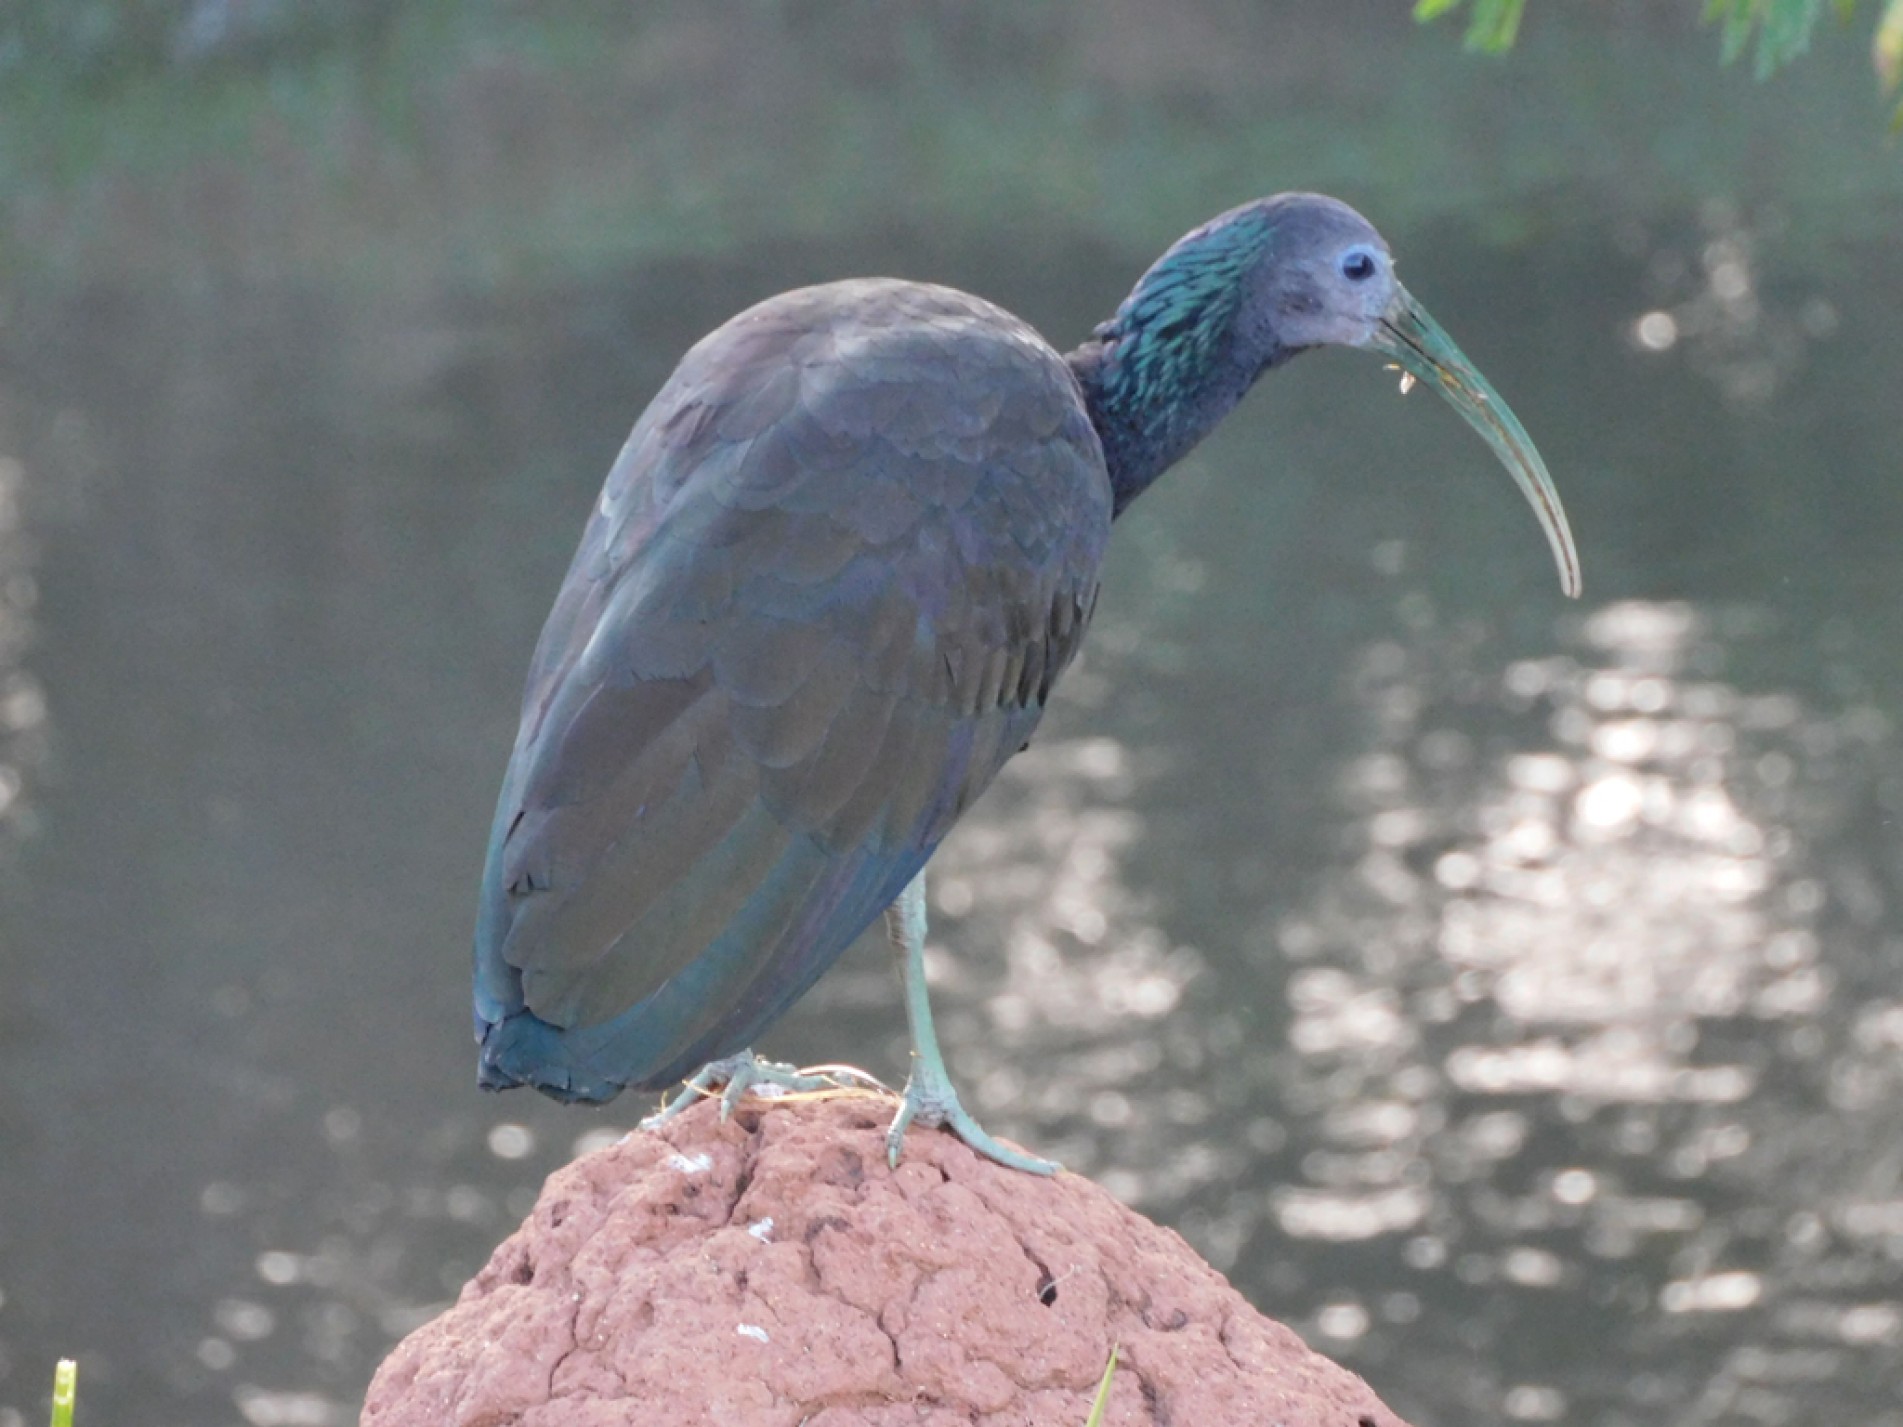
772,1272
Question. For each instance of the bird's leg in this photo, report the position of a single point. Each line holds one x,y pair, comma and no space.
929,1098
737,1074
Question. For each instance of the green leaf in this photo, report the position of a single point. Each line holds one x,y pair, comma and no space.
1494,26
1886,47
1784,32
1782,28
1736,31
1491,27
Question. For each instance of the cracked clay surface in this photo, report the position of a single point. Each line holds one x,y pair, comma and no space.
772,1272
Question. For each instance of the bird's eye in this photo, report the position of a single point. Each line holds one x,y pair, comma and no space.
1358,265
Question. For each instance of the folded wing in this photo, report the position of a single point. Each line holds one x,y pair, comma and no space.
825,594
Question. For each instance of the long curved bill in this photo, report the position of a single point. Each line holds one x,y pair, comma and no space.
1414,340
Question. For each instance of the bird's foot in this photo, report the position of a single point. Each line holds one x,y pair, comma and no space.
735,1075
930,1100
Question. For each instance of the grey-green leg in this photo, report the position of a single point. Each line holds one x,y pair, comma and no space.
738,1074
929,1098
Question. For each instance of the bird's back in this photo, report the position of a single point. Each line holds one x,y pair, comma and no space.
823,597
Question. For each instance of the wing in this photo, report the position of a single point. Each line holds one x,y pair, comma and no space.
829,584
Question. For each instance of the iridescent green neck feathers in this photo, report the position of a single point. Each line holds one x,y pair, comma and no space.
1175,359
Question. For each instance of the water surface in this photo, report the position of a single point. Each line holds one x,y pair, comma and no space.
1504,992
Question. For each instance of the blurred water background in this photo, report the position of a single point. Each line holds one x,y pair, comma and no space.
1508,994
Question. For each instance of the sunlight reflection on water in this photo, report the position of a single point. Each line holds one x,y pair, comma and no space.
1714,306
1568,1025
1610,916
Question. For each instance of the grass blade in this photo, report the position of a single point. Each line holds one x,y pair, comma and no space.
1103,1390
65,1389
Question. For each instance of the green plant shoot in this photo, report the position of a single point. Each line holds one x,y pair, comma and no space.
1103,1390
65,1389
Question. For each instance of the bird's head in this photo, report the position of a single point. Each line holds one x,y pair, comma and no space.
1259,283
1321,276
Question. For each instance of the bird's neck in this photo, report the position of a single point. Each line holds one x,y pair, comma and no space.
1153,394
1180,352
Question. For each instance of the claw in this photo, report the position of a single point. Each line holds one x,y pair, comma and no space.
930,1100
738,1074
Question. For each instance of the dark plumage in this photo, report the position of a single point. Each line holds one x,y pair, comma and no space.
830,582
824,596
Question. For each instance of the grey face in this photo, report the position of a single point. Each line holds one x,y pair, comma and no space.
1328,279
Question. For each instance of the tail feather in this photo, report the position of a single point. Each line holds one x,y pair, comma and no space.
524,1049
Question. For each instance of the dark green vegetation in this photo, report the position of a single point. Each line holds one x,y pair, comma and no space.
387,142
1782,30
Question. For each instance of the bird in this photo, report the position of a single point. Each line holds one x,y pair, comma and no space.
832,578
